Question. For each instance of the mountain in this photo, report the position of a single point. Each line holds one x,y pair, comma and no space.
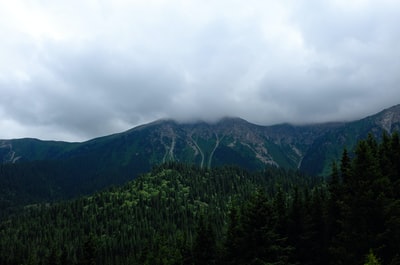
62,169
330,145
184,214
229,141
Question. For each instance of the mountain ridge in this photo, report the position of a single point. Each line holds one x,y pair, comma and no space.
51,170
230,140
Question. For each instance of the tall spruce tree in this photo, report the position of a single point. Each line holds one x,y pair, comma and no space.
204,247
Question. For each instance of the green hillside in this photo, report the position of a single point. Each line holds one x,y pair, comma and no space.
181,214
153,218
35,171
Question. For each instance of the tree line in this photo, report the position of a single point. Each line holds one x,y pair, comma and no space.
182,214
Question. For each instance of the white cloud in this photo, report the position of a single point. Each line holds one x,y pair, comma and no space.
80,69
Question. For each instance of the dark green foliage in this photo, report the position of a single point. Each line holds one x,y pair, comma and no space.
204,246
181,214
253,237
371,259
363,208
50,171
177,214
88,252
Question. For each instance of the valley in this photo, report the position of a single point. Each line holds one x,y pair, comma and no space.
200,193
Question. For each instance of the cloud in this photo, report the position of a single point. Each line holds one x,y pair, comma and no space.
80,69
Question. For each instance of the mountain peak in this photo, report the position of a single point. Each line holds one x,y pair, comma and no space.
388,119
230,140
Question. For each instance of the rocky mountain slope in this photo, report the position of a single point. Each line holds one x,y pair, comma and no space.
33,170
229,141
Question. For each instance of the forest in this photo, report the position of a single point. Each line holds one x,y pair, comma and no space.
182,214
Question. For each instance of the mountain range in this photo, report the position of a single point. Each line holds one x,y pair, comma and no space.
71,169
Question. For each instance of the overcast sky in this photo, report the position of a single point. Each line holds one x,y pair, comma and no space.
77,69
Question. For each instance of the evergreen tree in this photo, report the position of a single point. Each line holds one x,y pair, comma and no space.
334,211
204,248
234,237
89,252
263,243
345,167
371,259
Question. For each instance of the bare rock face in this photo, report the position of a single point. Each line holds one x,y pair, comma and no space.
52,170
7,153
389,119
310,148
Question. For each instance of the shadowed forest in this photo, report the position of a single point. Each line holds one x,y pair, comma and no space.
182,214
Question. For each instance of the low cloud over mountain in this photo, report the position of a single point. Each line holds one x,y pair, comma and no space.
80,69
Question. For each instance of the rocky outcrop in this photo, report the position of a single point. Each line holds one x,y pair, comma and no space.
230,141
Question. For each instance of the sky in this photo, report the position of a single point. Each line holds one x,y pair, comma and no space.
78,69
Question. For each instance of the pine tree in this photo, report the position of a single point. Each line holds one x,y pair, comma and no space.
89,252
234,237
204,247
264,243
345,167
371,259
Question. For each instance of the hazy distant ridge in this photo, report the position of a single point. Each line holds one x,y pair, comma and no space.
229,141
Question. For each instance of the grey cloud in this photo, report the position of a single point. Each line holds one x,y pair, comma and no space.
103,68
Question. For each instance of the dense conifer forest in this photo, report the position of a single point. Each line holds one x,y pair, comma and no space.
182,214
